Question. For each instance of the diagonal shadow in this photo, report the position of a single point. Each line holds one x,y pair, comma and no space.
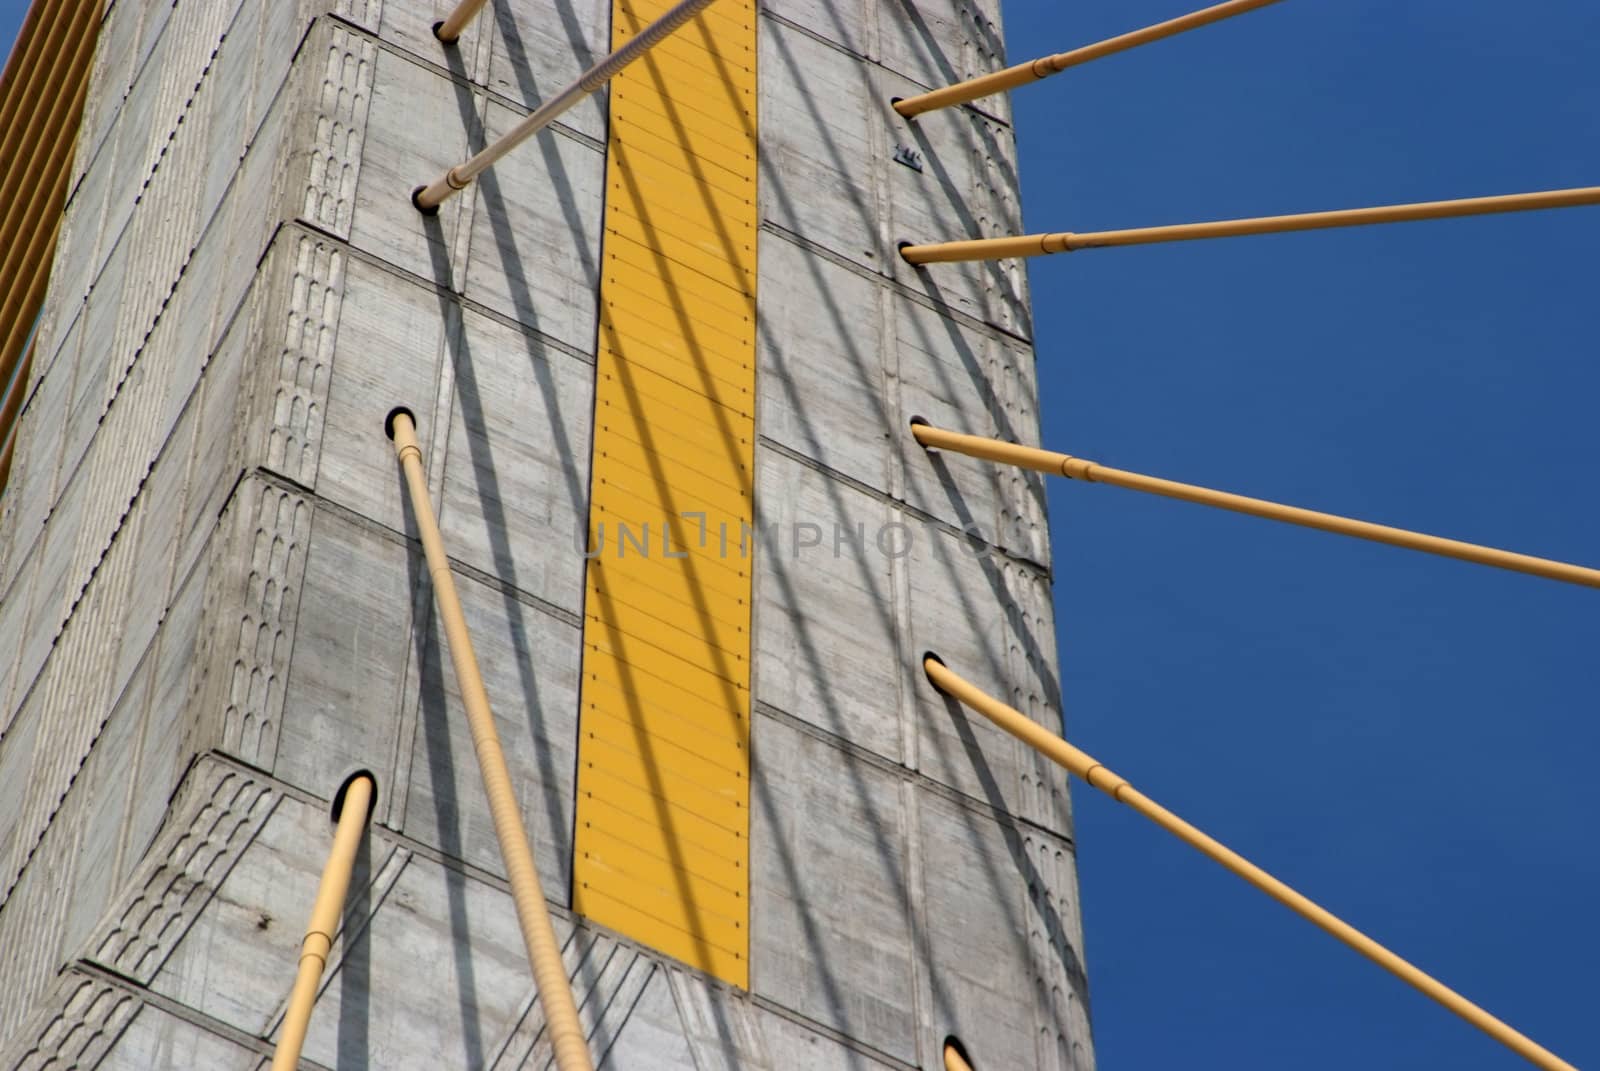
433,713
999,277
511,259
486,477
814,441
353,1043
506,242
1037,654
1038,888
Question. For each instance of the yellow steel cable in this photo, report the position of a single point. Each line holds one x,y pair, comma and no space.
428,198
36,59
533,916
449,31
1032,71
36,187
1077,468
1085,767
22,55
953,1060
1033,245
30,277
10,409
325,911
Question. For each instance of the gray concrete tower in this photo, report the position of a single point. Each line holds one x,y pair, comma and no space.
663,360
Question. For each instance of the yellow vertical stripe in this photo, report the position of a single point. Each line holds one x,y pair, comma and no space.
663,828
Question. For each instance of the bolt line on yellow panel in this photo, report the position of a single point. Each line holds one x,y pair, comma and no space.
1034,245
1025,73
1077,468
1093,773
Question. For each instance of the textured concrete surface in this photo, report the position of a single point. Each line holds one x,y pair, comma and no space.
212,606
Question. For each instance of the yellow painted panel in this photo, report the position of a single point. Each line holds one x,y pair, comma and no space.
689,491
679,187
672,710
662,877
660,610
698,221
662,830
690,272
718,474
629,628
725,17
701,124
620,813
721,474
670,139
653,785
658,885
647,279
640,387
723,568
732,339
657,732
695,43
729,85
674,157
705,429
636,657
628,803
731,372
648,241
663,706
677,757
606,900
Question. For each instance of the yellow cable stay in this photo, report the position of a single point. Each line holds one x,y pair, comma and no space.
428,198
533,915
1034,245
449,30
1077,468
1093,773
1024,73
325,910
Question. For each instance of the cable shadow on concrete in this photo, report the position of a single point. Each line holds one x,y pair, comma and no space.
490,497
353,1044
616,639
434,715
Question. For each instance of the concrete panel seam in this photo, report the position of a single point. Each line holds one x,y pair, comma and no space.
838,46
855,1045
915,778
265,110
370,259
1042,570
900,290
88,160
400,539
464,82
224,817
204,232
132,504
178,1010
73,1015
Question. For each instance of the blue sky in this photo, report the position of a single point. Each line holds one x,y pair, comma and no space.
11,12
1408,740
